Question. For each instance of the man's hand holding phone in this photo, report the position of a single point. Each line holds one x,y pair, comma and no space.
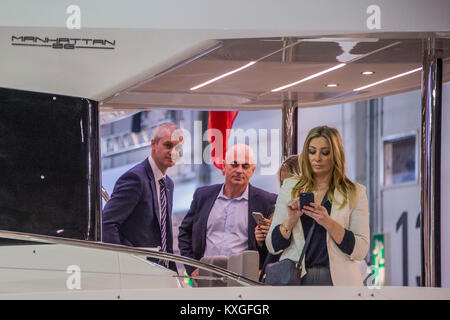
262,228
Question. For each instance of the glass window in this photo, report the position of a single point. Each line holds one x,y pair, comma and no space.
399,160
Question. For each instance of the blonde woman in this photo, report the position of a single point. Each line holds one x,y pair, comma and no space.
340,209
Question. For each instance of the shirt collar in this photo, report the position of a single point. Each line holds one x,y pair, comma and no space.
243,196
156,172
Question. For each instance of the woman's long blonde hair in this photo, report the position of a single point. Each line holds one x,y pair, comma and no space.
338,179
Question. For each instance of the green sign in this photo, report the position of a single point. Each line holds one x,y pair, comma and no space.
378,253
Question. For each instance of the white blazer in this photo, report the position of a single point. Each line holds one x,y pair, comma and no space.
343,268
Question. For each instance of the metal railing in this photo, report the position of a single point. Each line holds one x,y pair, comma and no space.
130,250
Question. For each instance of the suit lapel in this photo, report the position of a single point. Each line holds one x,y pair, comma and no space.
336,213
253,200
209,203
205,212
152,183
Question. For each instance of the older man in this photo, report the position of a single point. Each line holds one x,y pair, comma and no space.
139,211
219,222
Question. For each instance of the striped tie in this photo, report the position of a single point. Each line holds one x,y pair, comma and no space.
162,192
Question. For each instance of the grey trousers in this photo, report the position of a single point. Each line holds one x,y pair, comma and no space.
317,276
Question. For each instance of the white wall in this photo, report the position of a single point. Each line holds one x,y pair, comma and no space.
401,115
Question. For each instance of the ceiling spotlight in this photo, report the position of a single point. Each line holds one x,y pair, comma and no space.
367,72
332,85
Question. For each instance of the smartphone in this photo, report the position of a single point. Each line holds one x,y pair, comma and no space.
305,199
259,218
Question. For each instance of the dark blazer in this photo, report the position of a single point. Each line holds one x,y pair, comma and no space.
192,231
131,217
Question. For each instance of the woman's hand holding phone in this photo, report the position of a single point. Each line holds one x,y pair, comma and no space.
318,213
294,211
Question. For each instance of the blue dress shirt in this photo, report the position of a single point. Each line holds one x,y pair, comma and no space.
227,228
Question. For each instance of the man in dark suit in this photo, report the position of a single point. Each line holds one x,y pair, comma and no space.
139,211
219,221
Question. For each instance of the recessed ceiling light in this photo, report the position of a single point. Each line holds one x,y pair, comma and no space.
367,72
388,79
332,85
310,77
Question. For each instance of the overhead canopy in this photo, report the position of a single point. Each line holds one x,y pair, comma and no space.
147,54
252,88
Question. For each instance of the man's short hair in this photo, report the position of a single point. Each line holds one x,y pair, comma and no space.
158,132
237,153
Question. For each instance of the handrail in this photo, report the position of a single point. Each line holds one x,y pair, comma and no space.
131,250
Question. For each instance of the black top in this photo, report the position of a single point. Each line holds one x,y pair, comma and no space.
317,253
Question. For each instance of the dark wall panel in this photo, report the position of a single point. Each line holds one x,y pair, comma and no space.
49,165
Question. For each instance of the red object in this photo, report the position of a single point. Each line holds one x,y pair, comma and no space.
222,121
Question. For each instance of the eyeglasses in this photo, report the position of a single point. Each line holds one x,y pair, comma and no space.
245,166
